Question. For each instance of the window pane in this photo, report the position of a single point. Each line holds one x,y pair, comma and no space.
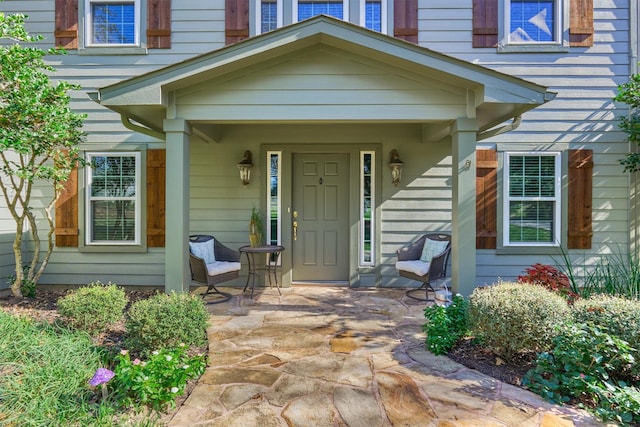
531,221
274,184
268,16
532,20
373,15
113,220
532,176
113,23
366,242
309,9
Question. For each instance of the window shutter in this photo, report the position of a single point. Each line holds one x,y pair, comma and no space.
66,30
159,24
156,198
580,195
66,224
485,23
237,20
581,23
405,20
486,199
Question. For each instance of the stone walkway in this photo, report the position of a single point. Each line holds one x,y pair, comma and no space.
331,356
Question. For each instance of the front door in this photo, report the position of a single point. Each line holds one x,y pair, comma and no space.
320,250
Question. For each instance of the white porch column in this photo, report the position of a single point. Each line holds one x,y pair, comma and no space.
176,262
463,220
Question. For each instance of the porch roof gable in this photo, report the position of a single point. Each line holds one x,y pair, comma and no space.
492,97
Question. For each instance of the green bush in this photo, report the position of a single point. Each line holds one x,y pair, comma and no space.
166,321
513,318
94,307
445,325
584,366
621,317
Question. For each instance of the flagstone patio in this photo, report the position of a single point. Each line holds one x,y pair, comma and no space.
334,356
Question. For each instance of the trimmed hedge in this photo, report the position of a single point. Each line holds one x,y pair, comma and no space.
513,318
93,308
166,321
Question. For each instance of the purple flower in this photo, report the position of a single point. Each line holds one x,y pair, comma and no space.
101,376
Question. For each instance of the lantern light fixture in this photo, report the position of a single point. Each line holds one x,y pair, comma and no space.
244,167
396,165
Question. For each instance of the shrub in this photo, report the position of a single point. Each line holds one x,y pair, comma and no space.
512,318
620,316
166,321
549,278
445,325
157,381
94,307
582,367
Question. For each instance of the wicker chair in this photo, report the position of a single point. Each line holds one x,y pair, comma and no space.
224,267
411,266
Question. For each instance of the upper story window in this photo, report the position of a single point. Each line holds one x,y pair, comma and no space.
534,25
371,14
532,199
269,15
113,199
533,21
112,23
305,9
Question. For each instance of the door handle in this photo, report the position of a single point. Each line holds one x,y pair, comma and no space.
295,230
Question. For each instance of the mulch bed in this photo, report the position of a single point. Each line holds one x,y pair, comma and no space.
473,356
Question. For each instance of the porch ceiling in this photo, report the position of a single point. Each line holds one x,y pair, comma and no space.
345,73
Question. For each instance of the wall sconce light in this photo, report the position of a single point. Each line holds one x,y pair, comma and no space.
396,166
245,166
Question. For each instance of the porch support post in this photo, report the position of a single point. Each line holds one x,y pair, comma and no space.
176,262
463,215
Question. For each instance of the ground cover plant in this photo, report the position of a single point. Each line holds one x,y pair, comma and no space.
58,375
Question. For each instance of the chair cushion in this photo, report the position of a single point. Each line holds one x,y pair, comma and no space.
432,248
416,267
204,250
221,267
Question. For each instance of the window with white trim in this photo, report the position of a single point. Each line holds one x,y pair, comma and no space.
371,14
532,199
534,25
112,22
367,210
533,21
113,199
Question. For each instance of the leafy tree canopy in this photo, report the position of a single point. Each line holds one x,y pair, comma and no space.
629,93
39,138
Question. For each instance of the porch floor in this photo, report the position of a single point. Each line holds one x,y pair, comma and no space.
334,356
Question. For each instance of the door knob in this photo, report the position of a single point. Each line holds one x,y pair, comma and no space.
295,230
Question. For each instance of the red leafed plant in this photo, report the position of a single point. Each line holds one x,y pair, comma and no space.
549,277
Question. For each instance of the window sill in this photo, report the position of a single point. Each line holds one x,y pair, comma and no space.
533,48
529,250
112,249
113,50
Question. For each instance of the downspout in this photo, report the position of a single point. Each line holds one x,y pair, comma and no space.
126,121
503,129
